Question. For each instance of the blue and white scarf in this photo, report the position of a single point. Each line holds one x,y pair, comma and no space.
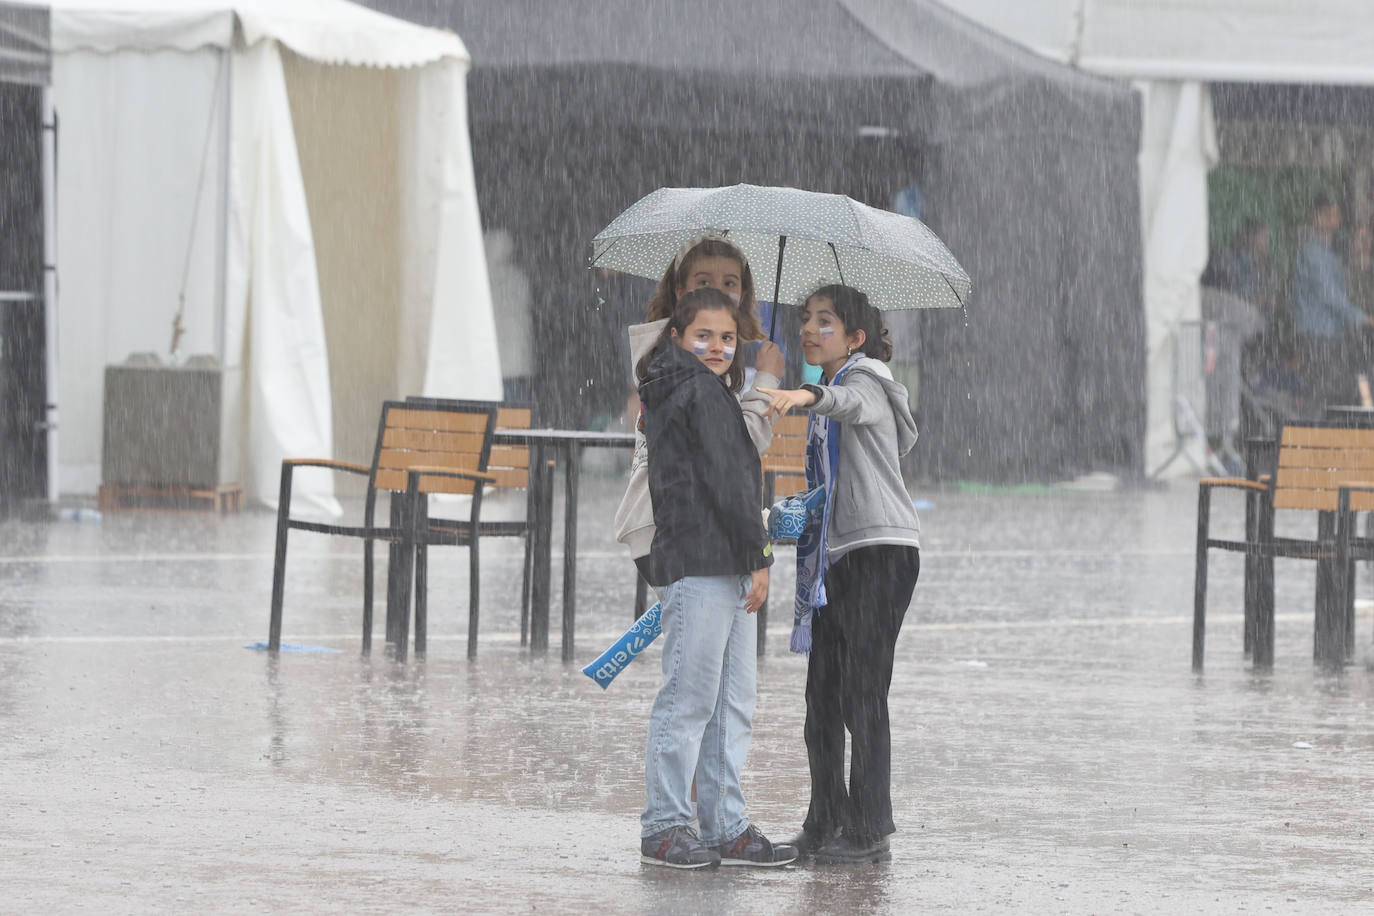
822,466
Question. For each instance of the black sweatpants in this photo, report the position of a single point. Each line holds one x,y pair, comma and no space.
847,678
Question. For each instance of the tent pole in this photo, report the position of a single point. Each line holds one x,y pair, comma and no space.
226,173
777,284
48,125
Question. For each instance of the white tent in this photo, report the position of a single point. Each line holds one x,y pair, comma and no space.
1173,49
301,169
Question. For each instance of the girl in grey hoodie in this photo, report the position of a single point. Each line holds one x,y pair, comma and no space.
856,569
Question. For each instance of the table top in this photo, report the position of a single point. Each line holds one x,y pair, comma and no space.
587,437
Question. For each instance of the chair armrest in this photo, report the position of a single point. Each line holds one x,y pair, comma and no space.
477,476
1238,483
327,463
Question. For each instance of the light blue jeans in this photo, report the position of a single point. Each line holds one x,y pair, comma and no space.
702,719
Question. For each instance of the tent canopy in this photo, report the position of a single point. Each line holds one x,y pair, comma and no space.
325,31
309,208
1271,41
1026,169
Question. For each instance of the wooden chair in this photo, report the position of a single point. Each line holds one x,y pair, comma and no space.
1323,469
509,468
784,464
784,473
420,450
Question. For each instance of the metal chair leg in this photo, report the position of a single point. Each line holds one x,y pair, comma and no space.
474,589
421,600
1263,655
279,559
418,529
528,569
369,549
1204,507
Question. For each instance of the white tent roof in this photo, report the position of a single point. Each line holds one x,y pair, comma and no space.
1272,41
325,31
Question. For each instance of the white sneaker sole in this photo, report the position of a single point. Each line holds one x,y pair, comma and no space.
650,860
752,863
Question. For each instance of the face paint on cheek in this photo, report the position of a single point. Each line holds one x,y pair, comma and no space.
728,353
734,297
699,347
827,332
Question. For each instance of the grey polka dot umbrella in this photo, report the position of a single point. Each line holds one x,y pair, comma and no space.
797,239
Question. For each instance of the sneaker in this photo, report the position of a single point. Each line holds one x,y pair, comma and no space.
753,848
808,841
849,849
677,847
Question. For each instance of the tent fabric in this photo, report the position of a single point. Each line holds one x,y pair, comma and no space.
1178,148
274,315
292,255
25,55
458,354
1270,41
1274,41
326,31
119,284
1028,170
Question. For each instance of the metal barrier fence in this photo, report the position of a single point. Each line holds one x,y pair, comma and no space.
1205,393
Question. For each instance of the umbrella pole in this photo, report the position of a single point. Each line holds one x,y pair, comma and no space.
777,284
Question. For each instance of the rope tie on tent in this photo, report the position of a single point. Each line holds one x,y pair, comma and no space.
178,327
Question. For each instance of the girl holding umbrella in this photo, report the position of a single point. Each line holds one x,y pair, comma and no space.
857,567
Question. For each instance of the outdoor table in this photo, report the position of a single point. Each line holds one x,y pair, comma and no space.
565,446
1353,416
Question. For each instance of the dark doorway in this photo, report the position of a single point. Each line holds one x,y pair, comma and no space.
23,443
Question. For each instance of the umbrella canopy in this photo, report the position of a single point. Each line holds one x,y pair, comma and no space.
808,238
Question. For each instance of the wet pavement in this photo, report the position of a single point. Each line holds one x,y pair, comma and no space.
1053,751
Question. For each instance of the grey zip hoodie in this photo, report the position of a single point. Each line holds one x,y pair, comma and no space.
870,504
634,519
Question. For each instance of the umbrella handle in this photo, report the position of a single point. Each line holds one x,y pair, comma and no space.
777,284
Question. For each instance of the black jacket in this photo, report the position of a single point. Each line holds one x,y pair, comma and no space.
704,475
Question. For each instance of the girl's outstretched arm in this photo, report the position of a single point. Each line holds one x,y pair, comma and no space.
861,400
781,400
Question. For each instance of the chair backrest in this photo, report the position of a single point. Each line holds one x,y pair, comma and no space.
1315,460
786,456
432,433
509,465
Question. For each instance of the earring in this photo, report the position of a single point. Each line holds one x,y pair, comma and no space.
849,352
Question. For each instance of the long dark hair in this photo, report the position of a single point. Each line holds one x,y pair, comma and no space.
856,314
665,297
684,313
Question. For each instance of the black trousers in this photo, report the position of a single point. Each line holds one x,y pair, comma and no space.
847,678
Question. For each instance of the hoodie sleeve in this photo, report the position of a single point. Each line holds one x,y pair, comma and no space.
860,400
755,407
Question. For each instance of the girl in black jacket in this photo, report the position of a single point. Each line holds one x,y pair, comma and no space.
709,562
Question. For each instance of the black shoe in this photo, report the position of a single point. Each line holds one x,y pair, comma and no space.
849,849
753,848
808,841
677,847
